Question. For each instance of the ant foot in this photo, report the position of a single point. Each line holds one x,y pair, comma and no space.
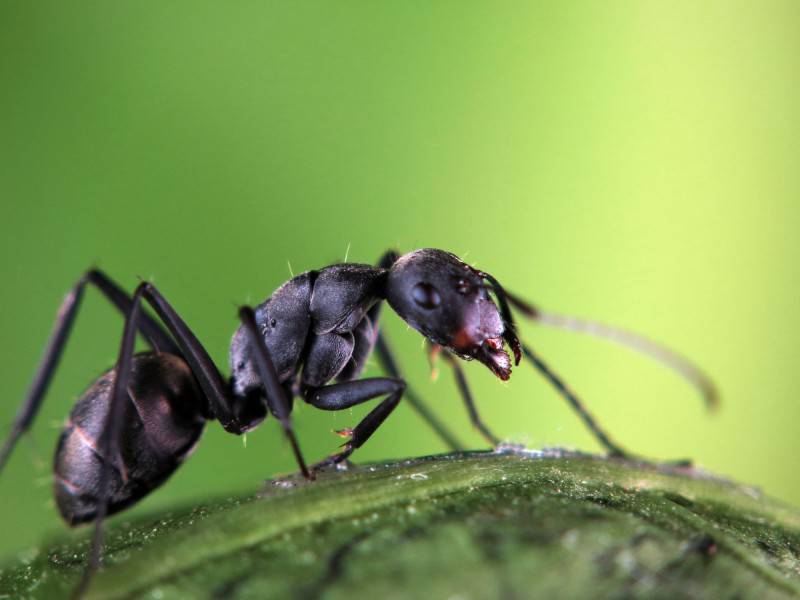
338,461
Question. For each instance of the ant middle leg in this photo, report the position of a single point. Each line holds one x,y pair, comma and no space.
275,393
505,300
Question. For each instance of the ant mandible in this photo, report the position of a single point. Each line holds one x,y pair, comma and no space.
140,420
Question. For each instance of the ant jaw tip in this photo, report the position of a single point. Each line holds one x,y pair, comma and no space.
502,373
515,348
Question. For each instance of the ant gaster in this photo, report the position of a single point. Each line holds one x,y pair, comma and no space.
140,420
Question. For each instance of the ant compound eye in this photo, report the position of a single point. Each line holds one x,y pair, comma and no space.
426,295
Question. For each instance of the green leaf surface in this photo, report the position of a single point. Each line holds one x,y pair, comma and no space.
507,524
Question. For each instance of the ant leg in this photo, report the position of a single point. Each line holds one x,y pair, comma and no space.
109,438
504,299
44,373
575,402
275,393
209,377
388,362
469,401
339,396
388,259
156,337
200,363
151,330
667,357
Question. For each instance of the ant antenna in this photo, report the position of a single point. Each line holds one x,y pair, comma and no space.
638,343
633,341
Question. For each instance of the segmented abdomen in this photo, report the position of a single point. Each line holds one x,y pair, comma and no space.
163,420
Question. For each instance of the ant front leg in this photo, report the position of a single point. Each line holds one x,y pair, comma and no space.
108,444
339,396
528,310
589,420
505,300
576,403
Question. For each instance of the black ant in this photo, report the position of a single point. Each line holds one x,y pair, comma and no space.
139,421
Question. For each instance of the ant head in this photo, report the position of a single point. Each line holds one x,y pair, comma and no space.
448,302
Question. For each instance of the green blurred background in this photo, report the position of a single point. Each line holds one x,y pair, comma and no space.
635,162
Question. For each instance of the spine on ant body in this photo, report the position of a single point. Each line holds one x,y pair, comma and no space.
162,427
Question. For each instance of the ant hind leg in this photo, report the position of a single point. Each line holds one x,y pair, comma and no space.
109,439
67,311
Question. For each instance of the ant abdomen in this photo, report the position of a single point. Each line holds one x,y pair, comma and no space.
162,427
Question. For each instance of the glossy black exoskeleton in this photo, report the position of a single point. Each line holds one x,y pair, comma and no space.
310,339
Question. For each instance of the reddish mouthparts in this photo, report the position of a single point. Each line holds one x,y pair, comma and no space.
492,354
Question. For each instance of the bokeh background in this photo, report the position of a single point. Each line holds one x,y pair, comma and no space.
635,162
